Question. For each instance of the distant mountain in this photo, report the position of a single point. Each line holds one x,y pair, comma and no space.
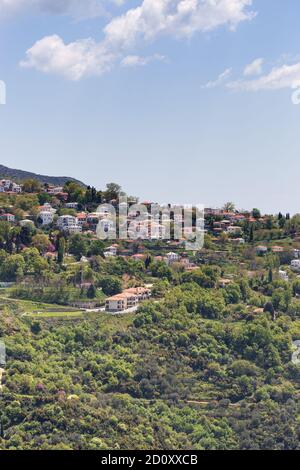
20,175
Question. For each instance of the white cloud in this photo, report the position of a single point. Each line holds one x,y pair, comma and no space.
135,60
255,68
73,61
285,76
140,25
179,18
75,8
220,80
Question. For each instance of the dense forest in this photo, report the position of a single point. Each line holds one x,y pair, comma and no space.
169,377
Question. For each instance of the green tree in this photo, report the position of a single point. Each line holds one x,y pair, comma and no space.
110,285
112,191
78,246
13,268
41,242
92,292
256,214
229,207
31,186
61,250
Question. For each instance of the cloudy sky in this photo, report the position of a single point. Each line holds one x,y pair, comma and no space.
176,100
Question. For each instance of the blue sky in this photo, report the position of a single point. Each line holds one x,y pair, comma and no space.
186,101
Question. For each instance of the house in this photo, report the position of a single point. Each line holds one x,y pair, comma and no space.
47,208
81,218
55,190
295,264
93,219
69,224
6,185
172,258
296,253
283,275
224,283
187,265
238,241
139,257
46,214
111,251
209,212
26,223
277,249
8,217
234,230
121,302
142,293
72,205
16,188
261,250
128,299
62,196
46,217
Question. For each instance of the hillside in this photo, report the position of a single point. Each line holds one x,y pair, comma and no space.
20,175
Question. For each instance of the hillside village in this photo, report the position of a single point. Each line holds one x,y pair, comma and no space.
71,210
206,336
56,214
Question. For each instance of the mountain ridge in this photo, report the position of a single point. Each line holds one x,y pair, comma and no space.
22,175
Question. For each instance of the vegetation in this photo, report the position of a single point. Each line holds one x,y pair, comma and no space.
205,364
20,175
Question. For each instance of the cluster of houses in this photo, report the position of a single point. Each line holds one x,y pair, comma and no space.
295,254
169,259
227,222
8,186
128,299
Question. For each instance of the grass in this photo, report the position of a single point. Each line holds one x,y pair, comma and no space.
64,315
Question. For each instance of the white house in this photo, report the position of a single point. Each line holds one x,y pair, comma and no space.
172,258
26,223
55,190
72,205
8,217
283,275
296,253
47,208
295,264
69,224
46,217
128,299
6,185
261,250
16,188
113,249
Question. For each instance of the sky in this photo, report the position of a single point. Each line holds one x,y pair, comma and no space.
182,101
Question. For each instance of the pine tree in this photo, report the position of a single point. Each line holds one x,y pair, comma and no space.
270,275
92,291
61,250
